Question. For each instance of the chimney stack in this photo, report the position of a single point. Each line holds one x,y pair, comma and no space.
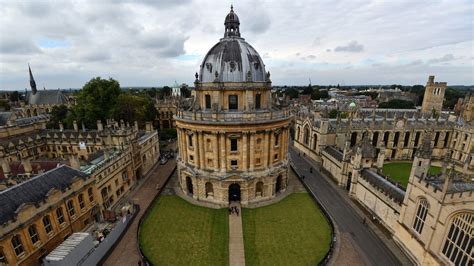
61,127
148,127
135,124
74,124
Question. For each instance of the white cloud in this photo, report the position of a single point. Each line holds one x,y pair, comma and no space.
152,43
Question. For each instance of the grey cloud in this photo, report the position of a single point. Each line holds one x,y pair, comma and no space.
445,58
17,46
328,50
316,41
165,45
352,47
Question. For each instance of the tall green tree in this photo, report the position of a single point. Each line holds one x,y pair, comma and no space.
58,114
95,101
132,108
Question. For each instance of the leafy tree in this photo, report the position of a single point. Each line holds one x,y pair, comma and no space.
307,90
168,133
58,114
451,97
397,104
166,91
333,114
15,96
292,93
4,105
185,91
319,94
132,108
95,101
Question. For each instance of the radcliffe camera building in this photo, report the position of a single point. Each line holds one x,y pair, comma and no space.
233,137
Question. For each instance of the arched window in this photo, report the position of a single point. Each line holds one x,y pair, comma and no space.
458,241
208,101
60,215
306,136
209,190
315,141
353,138
259,189
420,215
17,245
297,133
208,145
257,101
33,234
90,192
47,224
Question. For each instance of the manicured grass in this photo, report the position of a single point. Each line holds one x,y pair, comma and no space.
400,172
291,232
179,233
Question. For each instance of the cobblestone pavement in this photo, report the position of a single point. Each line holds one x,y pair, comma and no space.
369,243
126,251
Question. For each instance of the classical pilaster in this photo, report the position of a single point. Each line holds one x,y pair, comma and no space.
223,155
200,143
245,150
270,147
265,147
215,150
252,150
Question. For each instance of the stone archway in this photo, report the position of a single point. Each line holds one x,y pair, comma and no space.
189,185
259,189
278,185
234,192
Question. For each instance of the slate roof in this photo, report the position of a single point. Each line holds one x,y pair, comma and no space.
383,184
338,155
46,97
35,190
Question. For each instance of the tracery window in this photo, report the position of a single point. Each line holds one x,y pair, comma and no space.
420,215
458,242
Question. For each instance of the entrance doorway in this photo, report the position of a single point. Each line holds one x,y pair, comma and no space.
234,192
189,185
278,184
349,180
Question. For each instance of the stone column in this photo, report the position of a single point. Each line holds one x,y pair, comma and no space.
245,150
200,143
215,150
197,158
271,138
223,155
252,150
265,148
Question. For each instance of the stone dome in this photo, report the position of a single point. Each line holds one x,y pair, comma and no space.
232,59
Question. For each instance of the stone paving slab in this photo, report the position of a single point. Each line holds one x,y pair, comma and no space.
236,238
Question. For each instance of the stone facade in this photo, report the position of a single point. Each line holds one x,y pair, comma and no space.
434,96
232,135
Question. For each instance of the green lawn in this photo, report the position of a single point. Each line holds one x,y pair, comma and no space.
291,232
179,233
400,172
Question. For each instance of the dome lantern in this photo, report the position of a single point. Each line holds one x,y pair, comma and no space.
231,24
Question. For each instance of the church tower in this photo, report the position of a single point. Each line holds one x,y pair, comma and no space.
434,96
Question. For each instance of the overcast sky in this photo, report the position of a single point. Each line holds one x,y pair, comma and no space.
153,43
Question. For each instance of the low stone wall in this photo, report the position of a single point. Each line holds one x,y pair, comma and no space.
382,207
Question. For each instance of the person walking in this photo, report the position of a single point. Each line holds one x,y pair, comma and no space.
311,169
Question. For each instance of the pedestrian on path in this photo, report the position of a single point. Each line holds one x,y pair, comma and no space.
311,169
237,211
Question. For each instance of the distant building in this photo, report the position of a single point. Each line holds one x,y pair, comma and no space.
434,96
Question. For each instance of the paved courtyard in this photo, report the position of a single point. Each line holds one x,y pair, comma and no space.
126,251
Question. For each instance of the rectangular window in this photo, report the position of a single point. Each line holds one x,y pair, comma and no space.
208,101
257,101
277,138
47,224
190,140
191,158
233,163
417,138
91,194
233,102
257,161
275,157
233,144
33,234
70,208
80,198
60,215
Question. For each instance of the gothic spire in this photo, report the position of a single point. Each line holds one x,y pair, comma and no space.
32,81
